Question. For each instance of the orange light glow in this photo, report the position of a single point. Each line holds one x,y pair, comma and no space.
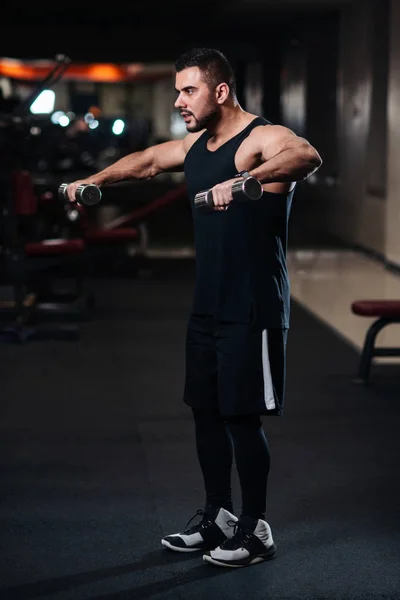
105,73
99,72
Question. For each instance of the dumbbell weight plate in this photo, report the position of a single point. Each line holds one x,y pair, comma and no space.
204,199
88,194
247,189
62,192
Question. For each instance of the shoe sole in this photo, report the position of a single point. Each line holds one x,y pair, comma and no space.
176,549
267,556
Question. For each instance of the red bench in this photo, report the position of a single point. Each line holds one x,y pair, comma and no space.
25,260
131,226
125,229
386,312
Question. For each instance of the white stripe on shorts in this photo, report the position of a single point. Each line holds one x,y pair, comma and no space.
268,387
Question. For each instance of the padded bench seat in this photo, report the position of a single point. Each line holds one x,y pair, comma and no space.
376,308
386,312
55,247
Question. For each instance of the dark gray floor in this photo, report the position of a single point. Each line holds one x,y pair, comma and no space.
98,462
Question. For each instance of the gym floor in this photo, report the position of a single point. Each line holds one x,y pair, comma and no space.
98,460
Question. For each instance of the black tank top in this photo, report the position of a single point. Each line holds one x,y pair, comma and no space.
241,266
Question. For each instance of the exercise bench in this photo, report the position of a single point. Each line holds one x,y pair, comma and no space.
386,312
126,229
25,262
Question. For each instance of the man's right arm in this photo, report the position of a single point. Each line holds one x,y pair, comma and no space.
152,161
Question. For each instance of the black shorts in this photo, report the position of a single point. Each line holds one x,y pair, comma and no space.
237,368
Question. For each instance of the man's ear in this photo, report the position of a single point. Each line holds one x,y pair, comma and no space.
222,92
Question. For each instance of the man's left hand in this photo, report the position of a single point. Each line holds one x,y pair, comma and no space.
222,194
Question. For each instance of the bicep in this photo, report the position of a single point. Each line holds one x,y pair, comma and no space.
167,156
278,139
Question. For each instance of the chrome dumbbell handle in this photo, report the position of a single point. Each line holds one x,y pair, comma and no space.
204,199
86,193
248,188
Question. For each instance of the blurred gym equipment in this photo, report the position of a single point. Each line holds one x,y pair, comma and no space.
22,256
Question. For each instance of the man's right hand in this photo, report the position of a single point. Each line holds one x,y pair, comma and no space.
71,188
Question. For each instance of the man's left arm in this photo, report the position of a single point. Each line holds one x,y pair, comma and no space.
285,156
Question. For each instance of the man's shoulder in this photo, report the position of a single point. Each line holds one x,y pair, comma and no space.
190,139
269,130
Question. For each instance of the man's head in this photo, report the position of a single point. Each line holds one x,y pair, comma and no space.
205,82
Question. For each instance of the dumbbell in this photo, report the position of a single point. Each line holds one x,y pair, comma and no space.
248,188
86,193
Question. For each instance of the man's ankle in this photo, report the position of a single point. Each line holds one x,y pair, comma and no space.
212,509
248,522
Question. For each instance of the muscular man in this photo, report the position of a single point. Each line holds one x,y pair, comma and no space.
237,328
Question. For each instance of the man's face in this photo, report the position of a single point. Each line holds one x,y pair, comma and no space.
196,102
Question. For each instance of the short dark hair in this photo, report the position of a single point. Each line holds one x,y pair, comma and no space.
213,63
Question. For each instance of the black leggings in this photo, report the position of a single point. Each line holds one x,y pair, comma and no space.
218,440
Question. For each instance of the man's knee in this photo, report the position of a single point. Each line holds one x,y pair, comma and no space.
244,422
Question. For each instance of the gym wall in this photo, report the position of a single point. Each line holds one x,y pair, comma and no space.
347,79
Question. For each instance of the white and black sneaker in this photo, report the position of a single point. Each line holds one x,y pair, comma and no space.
209,533
248,546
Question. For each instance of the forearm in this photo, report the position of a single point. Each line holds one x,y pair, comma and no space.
133,166
289,165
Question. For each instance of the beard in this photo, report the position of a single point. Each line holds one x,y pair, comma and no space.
206,120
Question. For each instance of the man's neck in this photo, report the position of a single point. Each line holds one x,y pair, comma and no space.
232,120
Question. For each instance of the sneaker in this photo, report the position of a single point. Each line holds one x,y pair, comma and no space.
212,531
248,546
